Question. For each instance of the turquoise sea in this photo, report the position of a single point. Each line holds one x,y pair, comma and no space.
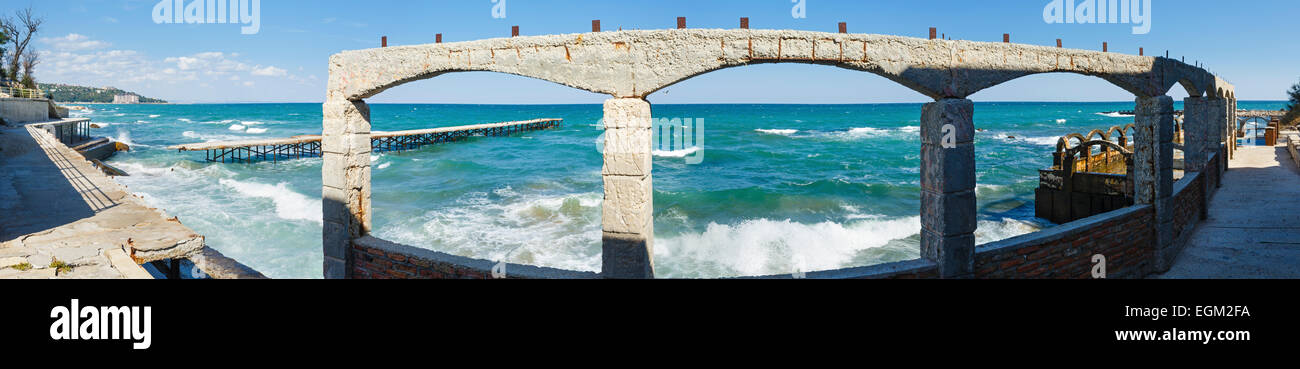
781,187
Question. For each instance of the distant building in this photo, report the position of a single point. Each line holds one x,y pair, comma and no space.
126,99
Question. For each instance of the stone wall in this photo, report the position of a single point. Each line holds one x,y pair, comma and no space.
1188,203
1125,237
17,111
375,258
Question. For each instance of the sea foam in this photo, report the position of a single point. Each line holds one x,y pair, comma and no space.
288,204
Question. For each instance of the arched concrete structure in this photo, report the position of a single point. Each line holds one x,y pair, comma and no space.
634,64
629,65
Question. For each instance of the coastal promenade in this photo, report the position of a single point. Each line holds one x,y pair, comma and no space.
61,217
1253,227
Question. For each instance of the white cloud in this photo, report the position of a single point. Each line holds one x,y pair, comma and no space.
270,71
73,42
78,59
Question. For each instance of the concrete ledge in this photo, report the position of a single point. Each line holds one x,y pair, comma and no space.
911,269
218,266
479,267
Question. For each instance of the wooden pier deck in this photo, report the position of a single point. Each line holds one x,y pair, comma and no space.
306,146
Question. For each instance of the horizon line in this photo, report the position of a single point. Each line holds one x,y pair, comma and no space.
597,103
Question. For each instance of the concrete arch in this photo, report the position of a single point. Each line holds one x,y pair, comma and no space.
629,65
633,64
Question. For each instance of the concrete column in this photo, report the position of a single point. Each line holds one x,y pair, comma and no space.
948,186
345,175
627,216
1232,130
1153,172
1196,131
1222,125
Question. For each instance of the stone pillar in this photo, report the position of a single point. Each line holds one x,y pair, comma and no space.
1221,123
345,175
1232,131
627,215
948,186
1196,131
1153,172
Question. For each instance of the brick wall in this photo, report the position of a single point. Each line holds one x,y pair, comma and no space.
373,258
1187,201
1124,236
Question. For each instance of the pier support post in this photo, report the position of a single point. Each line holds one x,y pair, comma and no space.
1153,172
627,216
345,174
948,186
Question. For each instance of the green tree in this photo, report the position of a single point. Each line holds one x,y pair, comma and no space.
4,40
1295,97
1293,114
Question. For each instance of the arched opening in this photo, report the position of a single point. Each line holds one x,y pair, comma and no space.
1059,122
803,170
530,198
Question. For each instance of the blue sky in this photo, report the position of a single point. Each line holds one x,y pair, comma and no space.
116,43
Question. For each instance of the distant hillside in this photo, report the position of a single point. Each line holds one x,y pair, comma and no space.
70,93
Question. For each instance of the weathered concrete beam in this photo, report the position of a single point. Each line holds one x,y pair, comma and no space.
634,64
627,215
948,186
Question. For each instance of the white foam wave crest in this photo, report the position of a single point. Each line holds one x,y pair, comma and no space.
860,133
1115,115
1044,141
185,120
767,247
1061,121
237,127
289,205
154,115
675,153
992,231
554,231
209,138
256,130
124,136
781,132
1040,140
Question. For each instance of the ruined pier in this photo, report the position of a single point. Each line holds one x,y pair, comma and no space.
306,146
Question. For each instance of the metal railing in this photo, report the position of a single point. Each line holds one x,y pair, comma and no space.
70,131
21,92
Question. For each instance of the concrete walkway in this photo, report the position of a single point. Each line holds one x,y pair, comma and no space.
55,205
1253,230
